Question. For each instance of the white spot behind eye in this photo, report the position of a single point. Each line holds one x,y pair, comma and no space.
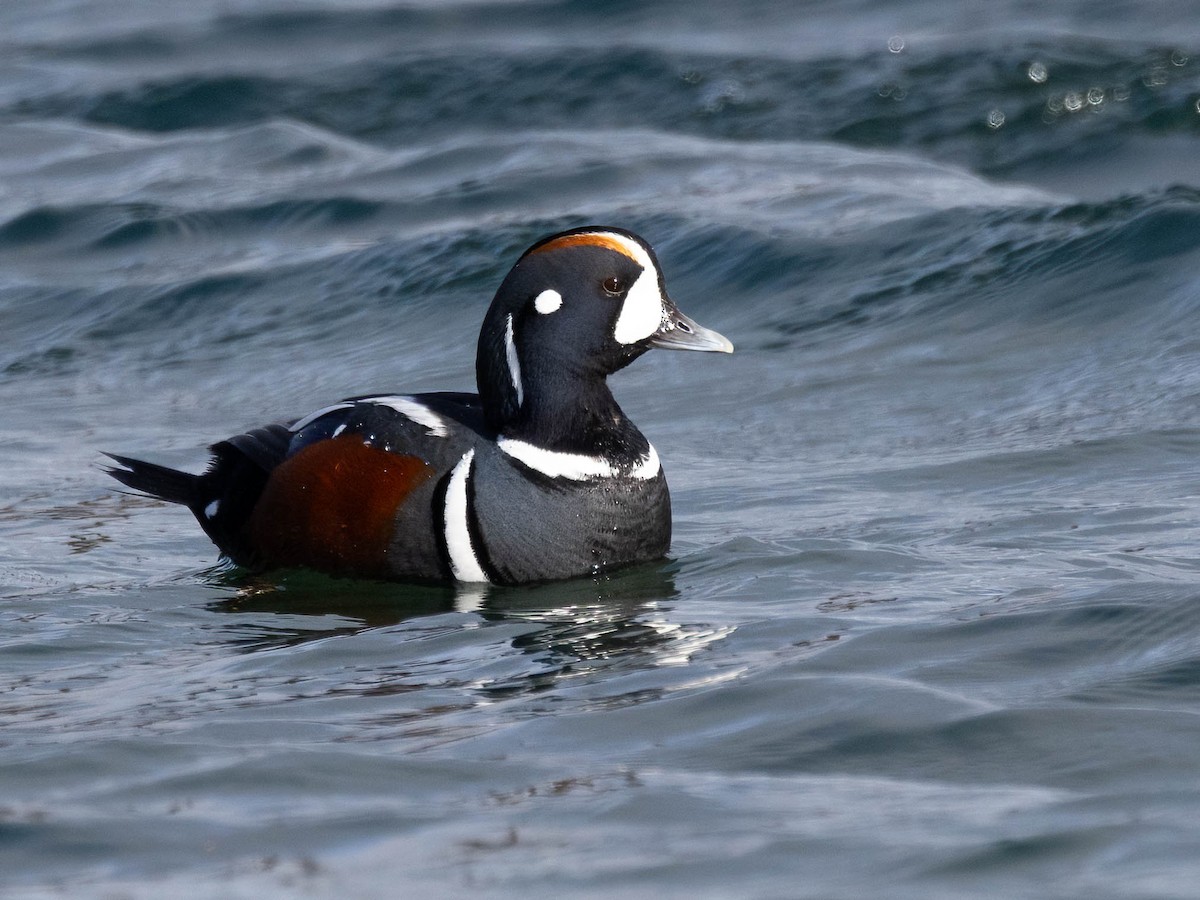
547,301
210,511
642,312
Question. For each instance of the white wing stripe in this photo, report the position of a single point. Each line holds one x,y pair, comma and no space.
415,410
301,424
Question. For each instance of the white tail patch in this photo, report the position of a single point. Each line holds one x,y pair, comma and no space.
514,364
577,466
463,561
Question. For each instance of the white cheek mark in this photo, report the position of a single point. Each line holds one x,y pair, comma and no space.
210,511
463,561
415,410
514,364
312,417
547,301
576,466
642,313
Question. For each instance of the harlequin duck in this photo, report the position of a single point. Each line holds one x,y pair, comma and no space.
539,476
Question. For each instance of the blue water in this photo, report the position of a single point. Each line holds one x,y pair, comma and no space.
930,627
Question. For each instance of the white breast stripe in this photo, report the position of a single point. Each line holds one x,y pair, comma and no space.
649,467
415,410
514,364
463,561
576,466
312,417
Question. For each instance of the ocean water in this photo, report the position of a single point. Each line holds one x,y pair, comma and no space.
930,626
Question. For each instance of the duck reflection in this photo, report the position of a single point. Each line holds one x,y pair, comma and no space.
581,619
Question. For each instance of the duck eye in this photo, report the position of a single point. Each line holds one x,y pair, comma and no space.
614,285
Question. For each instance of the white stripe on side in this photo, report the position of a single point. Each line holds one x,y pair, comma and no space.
463,561
301,424
576,466
415,410
514,364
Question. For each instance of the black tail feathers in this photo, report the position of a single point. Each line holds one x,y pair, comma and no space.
157,481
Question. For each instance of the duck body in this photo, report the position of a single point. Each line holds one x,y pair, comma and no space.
540,476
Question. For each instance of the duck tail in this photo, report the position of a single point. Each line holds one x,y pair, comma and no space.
157,481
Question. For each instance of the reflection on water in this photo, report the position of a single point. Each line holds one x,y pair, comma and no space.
588,620
354,605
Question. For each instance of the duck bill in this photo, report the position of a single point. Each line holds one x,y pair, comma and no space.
680,332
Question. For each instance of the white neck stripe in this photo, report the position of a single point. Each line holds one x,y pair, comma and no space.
577,466
514,363
464,564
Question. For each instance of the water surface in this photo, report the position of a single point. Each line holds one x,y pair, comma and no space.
930,623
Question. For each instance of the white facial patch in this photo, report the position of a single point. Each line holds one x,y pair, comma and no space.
576,466
547,301
514,363
210,511
642,313
416,411
463,561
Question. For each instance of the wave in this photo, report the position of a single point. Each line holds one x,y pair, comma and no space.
1002,105
808,241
